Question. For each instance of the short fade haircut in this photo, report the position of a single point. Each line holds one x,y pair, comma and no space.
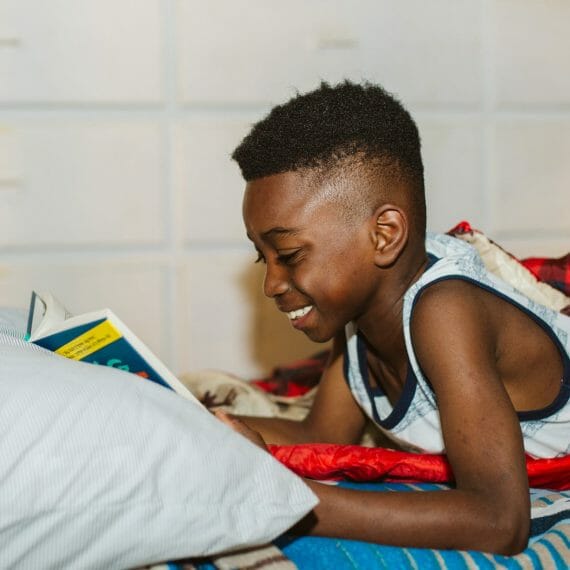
337,127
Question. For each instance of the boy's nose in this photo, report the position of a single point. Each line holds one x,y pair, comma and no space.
276,280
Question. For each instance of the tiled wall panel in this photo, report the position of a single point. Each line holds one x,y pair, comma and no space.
216,312
455,189
531,59
80,51
531,193
208,183
80,183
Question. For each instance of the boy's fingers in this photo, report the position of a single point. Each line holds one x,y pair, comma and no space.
240,427
224,417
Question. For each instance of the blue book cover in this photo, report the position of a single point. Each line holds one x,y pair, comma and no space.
99,338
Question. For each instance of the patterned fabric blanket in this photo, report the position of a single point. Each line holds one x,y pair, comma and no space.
556,272
545,280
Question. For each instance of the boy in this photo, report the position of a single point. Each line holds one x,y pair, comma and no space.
440,355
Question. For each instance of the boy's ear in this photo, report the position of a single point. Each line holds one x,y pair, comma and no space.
390,234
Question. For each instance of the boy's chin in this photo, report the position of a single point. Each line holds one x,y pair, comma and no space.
319,336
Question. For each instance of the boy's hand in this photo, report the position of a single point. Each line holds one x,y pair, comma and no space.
240,427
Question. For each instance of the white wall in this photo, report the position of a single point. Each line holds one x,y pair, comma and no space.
117,118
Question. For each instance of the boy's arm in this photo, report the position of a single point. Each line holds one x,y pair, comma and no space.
489,509
334,417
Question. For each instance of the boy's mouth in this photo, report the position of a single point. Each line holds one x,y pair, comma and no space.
299,313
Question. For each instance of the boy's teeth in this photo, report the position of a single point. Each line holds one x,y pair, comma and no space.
299,312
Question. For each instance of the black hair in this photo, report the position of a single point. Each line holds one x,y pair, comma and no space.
322,128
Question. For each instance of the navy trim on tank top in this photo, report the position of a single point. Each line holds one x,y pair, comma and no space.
400,408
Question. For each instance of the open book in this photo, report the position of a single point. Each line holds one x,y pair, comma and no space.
98,337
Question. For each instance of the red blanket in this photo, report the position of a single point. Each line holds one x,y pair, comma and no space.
333,462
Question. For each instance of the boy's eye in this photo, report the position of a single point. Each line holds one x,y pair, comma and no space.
283,258
288,258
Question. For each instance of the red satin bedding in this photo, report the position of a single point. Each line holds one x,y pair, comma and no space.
333,462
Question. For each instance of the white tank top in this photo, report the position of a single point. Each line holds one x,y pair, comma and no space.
413,421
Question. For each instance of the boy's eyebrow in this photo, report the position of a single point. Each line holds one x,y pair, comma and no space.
277,231
280,231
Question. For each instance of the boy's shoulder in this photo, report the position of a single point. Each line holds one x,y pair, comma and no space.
451,302
451,263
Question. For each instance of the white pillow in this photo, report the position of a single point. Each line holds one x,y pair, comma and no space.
13,321
101,469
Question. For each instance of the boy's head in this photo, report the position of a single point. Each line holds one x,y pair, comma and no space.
334,198
356,137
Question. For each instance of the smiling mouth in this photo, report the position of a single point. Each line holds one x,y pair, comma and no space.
299,313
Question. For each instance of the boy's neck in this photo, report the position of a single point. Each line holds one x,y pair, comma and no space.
382,324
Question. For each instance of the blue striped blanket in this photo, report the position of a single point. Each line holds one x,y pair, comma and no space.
549,544
548,548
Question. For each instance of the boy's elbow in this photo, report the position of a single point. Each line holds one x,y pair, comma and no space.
518,536
509,533
511,543
502,521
